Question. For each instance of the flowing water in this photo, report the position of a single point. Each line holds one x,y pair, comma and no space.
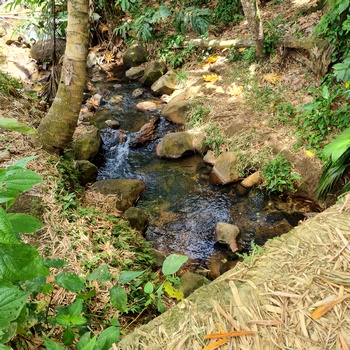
183,206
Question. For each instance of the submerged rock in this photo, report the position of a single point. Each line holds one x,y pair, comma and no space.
146,134
227,234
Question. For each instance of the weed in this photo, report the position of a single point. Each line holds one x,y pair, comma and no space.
272,34
242,54
196,113
8,85
254,252
214,138
278,175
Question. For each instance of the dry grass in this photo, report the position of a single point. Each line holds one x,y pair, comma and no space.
274,295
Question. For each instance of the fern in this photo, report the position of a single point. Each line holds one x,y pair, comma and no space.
160,14
194,18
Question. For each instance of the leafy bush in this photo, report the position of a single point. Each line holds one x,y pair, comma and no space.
334,26
8,85
227,12
272,35
278,175
325,115
214,138
337,156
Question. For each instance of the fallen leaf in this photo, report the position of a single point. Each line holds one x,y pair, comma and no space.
228,334
210,78
320,311
215,345
92,102
272,78
347,84
241,49
310,154
212,59
235,90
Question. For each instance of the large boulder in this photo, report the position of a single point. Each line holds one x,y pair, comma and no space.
42,50
178,144
153,71
165,85
135,54
224,170
191,281
127,191
87,142
175,110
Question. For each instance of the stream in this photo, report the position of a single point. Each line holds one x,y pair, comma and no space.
182,205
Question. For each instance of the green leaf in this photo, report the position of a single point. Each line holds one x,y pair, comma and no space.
20,262
101,274
148,288
6,334
51,345
70,281
23,161
56,263
12,301
14,125
85,343
24,223
20,179
68,336
128,276
5,347
7,235
119,298
107,338
173,263
76,308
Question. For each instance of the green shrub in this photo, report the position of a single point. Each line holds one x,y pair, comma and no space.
278,175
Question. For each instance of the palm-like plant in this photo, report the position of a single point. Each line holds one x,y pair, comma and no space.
337,154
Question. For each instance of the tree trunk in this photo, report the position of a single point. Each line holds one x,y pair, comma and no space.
57,128
252,14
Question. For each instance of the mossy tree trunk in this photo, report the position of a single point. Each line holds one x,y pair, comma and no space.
252,14
57,128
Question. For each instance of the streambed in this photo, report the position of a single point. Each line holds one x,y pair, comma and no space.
182,204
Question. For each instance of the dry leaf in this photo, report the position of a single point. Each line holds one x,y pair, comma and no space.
92,102
272,78
241,49
310,154
235,90
210,78
103,28
320,311
228,334
215,345
109,56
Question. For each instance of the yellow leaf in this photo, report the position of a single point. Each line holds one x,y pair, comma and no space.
215,345
310,154
210,78
320,311
347,84
272,78
241,49
235,90
212,59
228,334
172,292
